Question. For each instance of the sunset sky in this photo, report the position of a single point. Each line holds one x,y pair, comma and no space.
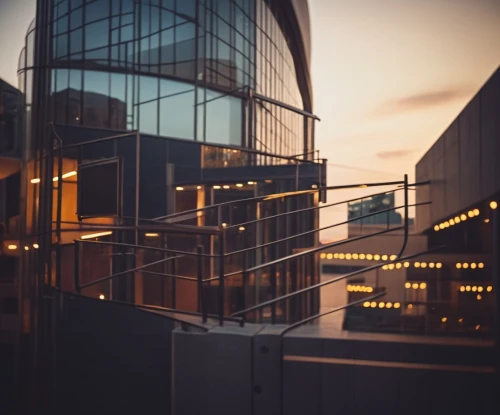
389,76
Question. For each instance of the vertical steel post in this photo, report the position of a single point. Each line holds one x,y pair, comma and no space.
201,297
222,239
496,293
58,217
76,261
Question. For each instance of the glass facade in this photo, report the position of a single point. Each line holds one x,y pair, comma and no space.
182,69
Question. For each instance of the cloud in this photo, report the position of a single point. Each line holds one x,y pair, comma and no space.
422,101
394,154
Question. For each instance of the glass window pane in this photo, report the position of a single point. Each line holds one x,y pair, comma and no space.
167,19
96,35
95,99
97,10
223,119
118,106
62,77
76,44
187,8
76,18
148,118
61,46
177,114
62,25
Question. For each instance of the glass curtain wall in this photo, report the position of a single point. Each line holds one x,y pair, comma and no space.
173,68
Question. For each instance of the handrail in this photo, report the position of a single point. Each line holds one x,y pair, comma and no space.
292,193
152,248
231,202
323,228
331,281
312,251
128,271
309,208
343,307
160,274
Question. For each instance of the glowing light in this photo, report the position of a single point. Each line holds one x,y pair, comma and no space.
480,289
341,256
322,255
479,298
407,285
34,181
446,225
369,289
180,188
470,214
423,286
355,256
198,187
480,265
423,265
385,267
154,235
431,265
459,265
376,257
474,288
101,297
406,264
12,247
329,256
410,306
414,286
96,235
436,228
465,265
478,326
444,319
486,221
217,187
381,305
393,257
388,305
416,264
493,205
362,256
369,257
457,219
398,265
476,212
441,226
350,288
373,304
439,265
36,246
462,288
397,305
225,186
460,320
348,256
467,288
489,288
336,256
241,228
251,182
463,217
366,304
385,257
473,265
239,185
69,174
26,248
452,222
391,266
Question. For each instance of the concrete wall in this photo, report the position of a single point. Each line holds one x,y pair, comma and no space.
463,163
111,359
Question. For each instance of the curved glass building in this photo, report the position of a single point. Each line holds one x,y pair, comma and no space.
151,127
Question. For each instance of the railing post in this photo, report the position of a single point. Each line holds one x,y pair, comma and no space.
77,267
174,283
201,297
222,238
273,293
406,223
496,293
244,283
